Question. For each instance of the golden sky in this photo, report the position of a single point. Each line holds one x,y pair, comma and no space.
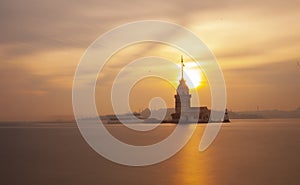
41,42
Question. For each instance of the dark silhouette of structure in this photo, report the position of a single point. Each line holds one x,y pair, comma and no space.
183,110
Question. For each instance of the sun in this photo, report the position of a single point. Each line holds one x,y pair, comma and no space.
192,75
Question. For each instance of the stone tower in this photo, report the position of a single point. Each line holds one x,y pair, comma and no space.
182,97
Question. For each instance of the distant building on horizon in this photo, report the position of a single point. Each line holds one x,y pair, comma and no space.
183,110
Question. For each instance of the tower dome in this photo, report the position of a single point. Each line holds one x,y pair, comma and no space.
182,88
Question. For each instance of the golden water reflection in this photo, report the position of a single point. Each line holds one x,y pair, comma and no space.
191,165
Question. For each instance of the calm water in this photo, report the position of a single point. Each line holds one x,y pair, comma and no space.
244,152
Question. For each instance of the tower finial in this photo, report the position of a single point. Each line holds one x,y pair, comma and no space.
182,65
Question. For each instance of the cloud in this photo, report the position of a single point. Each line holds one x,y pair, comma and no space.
34,26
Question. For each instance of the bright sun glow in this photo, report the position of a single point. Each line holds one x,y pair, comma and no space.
192,75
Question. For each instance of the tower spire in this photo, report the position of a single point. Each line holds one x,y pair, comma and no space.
182,65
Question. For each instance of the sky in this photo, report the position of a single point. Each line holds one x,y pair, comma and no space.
41,43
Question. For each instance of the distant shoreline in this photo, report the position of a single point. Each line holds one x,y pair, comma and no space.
74,122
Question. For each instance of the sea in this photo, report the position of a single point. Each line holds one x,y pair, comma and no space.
245,152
